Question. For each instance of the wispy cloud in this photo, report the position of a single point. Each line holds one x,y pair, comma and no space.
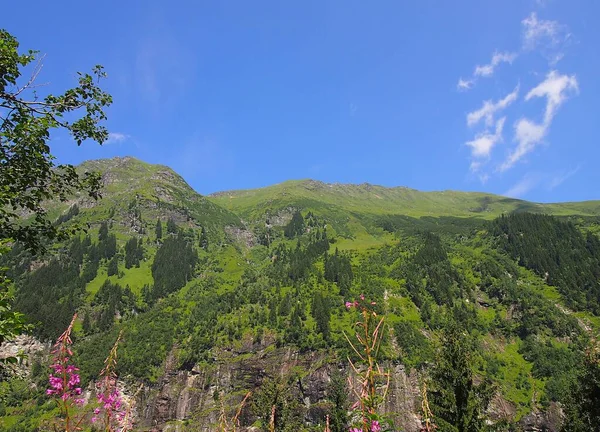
483,143
550,37
488,69
528,134
523,186
489,108
117,137
559,178
537,180
464,85
353,108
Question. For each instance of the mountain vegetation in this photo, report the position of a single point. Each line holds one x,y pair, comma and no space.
492,303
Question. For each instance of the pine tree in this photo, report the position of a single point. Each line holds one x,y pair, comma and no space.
171,226
337,395
131,253
113,266
321,314
110,246
203,239
295,227
158,230
457,402
103,232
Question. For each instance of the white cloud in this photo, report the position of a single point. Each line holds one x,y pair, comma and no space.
529,134
482,145
117,137
555,88
489,108
488,69
464,85
536,32
550,37
527,183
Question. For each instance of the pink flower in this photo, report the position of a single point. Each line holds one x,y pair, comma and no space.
362,296
355,430
375,427
349,305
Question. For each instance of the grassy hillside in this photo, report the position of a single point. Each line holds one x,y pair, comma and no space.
273,276
132,188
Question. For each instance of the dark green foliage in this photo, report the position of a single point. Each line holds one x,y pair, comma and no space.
337,395
429,274
28,175
50,296
557,251
321,313
103,232
134,252
112,299
158,230
171,226
113,266
70,214
416,349
203,239
555,363
147,339
278,394
456,401
295,227
582,401
173,265
338,269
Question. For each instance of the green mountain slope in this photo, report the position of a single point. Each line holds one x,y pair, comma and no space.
230,292
152,191
373,199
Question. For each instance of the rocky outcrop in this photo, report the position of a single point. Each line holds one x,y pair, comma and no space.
193,399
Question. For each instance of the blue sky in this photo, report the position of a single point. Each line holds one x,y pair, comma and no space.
497,96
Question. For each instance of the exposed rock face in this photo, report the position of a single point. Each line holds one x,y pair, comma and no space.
25,347
193,399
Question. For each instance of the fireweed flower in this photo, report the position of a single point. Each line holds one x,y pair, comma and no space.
64,381
375,426
109,397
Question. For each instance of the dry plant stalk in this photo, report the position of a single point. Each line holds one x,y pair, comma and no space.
272,421
427,424
369,336
226,425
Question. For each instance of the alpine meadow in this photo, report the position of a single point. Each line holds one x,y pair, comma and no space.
129,301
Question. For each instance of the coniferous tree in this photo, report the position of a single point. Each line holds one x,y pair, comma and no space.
110,246
173,265
582,403
132,253
158,230
171,226
458,403
295,227
113,266
103,232
337,395
204,239
321,314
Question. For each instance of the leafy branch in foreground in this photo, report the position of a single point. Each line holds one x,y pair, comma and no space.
28,174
